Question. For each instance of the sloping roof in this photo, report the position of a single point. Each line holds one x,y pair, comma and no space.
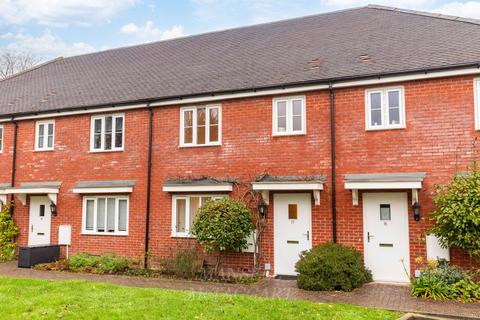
198,182
105,184
386,177
344,44
311,178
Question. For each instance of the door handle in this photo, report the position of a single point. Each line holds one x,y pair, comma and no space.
369,236
308,235
31,228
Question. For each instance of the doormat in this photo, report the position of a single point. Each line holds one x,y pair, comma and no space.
285,277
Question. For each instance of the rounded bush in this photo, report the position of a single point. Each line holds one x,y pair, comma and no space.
331,267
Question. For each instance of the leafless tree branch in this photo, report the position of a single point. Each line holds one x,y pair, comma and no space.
14,62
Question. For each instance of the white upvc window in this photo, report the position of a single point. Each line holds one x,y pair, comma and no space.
289,116
184,209
107,133
385,108
1,138
201,126
105,215
476,90
45,135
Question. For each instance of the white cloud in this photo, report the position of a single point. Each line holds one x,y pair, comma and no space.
149,32
47,45
61,12
470,9
407,4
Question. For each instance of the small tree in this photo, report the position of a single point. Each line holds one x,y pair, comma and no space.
8,232
457,213
222,226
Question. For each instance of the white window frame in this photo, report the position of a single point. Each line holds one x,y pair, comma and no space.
384,109
2,141
207,126
95,199
476,92
92,132
289,103
45,124
187,197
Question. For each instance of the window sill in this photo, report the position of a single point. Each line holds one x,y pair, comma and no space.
385,128
103,234
289,134
43,150
200,145
182,236
106,151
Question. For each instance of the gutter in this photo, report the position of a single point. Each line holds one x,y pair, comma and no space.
332,158
149,184
339,82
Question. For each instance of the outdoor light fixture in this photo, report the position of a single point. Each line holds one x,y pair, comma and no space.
416,211
262,209
53,209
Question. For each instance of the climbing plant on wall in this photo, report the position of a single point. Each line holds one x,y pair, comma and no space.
8,232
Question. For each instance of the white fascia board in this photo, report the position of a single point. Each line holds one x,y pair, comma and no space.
103,190
382,185
212,188
31,191
259,92
272,186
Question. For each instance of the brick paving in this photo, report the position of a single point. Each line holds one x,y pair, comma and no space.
374,295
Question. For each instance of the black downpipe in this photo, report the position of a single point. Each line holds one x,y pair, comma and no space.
149,179
14,162
332,155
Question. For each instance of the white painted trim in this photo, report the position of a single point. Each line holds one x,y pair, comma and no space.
195,127
95,199
106,190
271,186
92,132
385,108
299,89
187,234
45,123
382,185
31,190
192,188
289,116
476,97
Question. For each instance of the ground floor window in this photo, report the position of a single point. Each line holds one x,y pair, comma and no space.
105,215
184,209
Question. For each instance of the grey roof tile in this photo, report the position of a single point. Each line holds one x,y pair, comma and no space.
105,184
309,49
386,177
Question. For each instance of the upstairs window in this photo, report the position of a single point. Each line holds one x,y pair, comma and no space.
385,108
476,90
289,116
184,209
105,215
200,126
1,139
107,133
44,135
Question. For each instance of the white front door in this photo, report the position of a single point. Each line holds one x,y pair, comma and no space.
386,243
292,230
40,216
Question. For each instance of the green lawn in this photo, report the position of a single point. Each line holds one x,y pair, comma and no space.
41,299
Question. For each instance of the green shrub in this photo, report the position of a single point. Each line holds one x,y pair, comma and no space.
185,264
440,281
8,232
107,263
331,267
223,225
457,212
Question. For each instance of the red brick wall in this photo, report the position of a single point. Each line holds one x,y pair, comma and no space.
437,140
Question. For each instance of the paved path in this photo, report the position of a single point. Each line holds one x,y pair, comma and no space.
372,295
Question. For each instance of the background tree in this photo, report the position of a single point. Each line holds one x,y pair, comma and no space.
223,225
457,212
12,62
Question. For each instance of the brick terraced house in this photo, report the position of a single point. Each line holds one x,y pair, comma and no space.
343,122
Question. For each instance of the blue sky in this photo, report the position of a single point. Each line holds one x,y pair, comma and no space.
51,28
